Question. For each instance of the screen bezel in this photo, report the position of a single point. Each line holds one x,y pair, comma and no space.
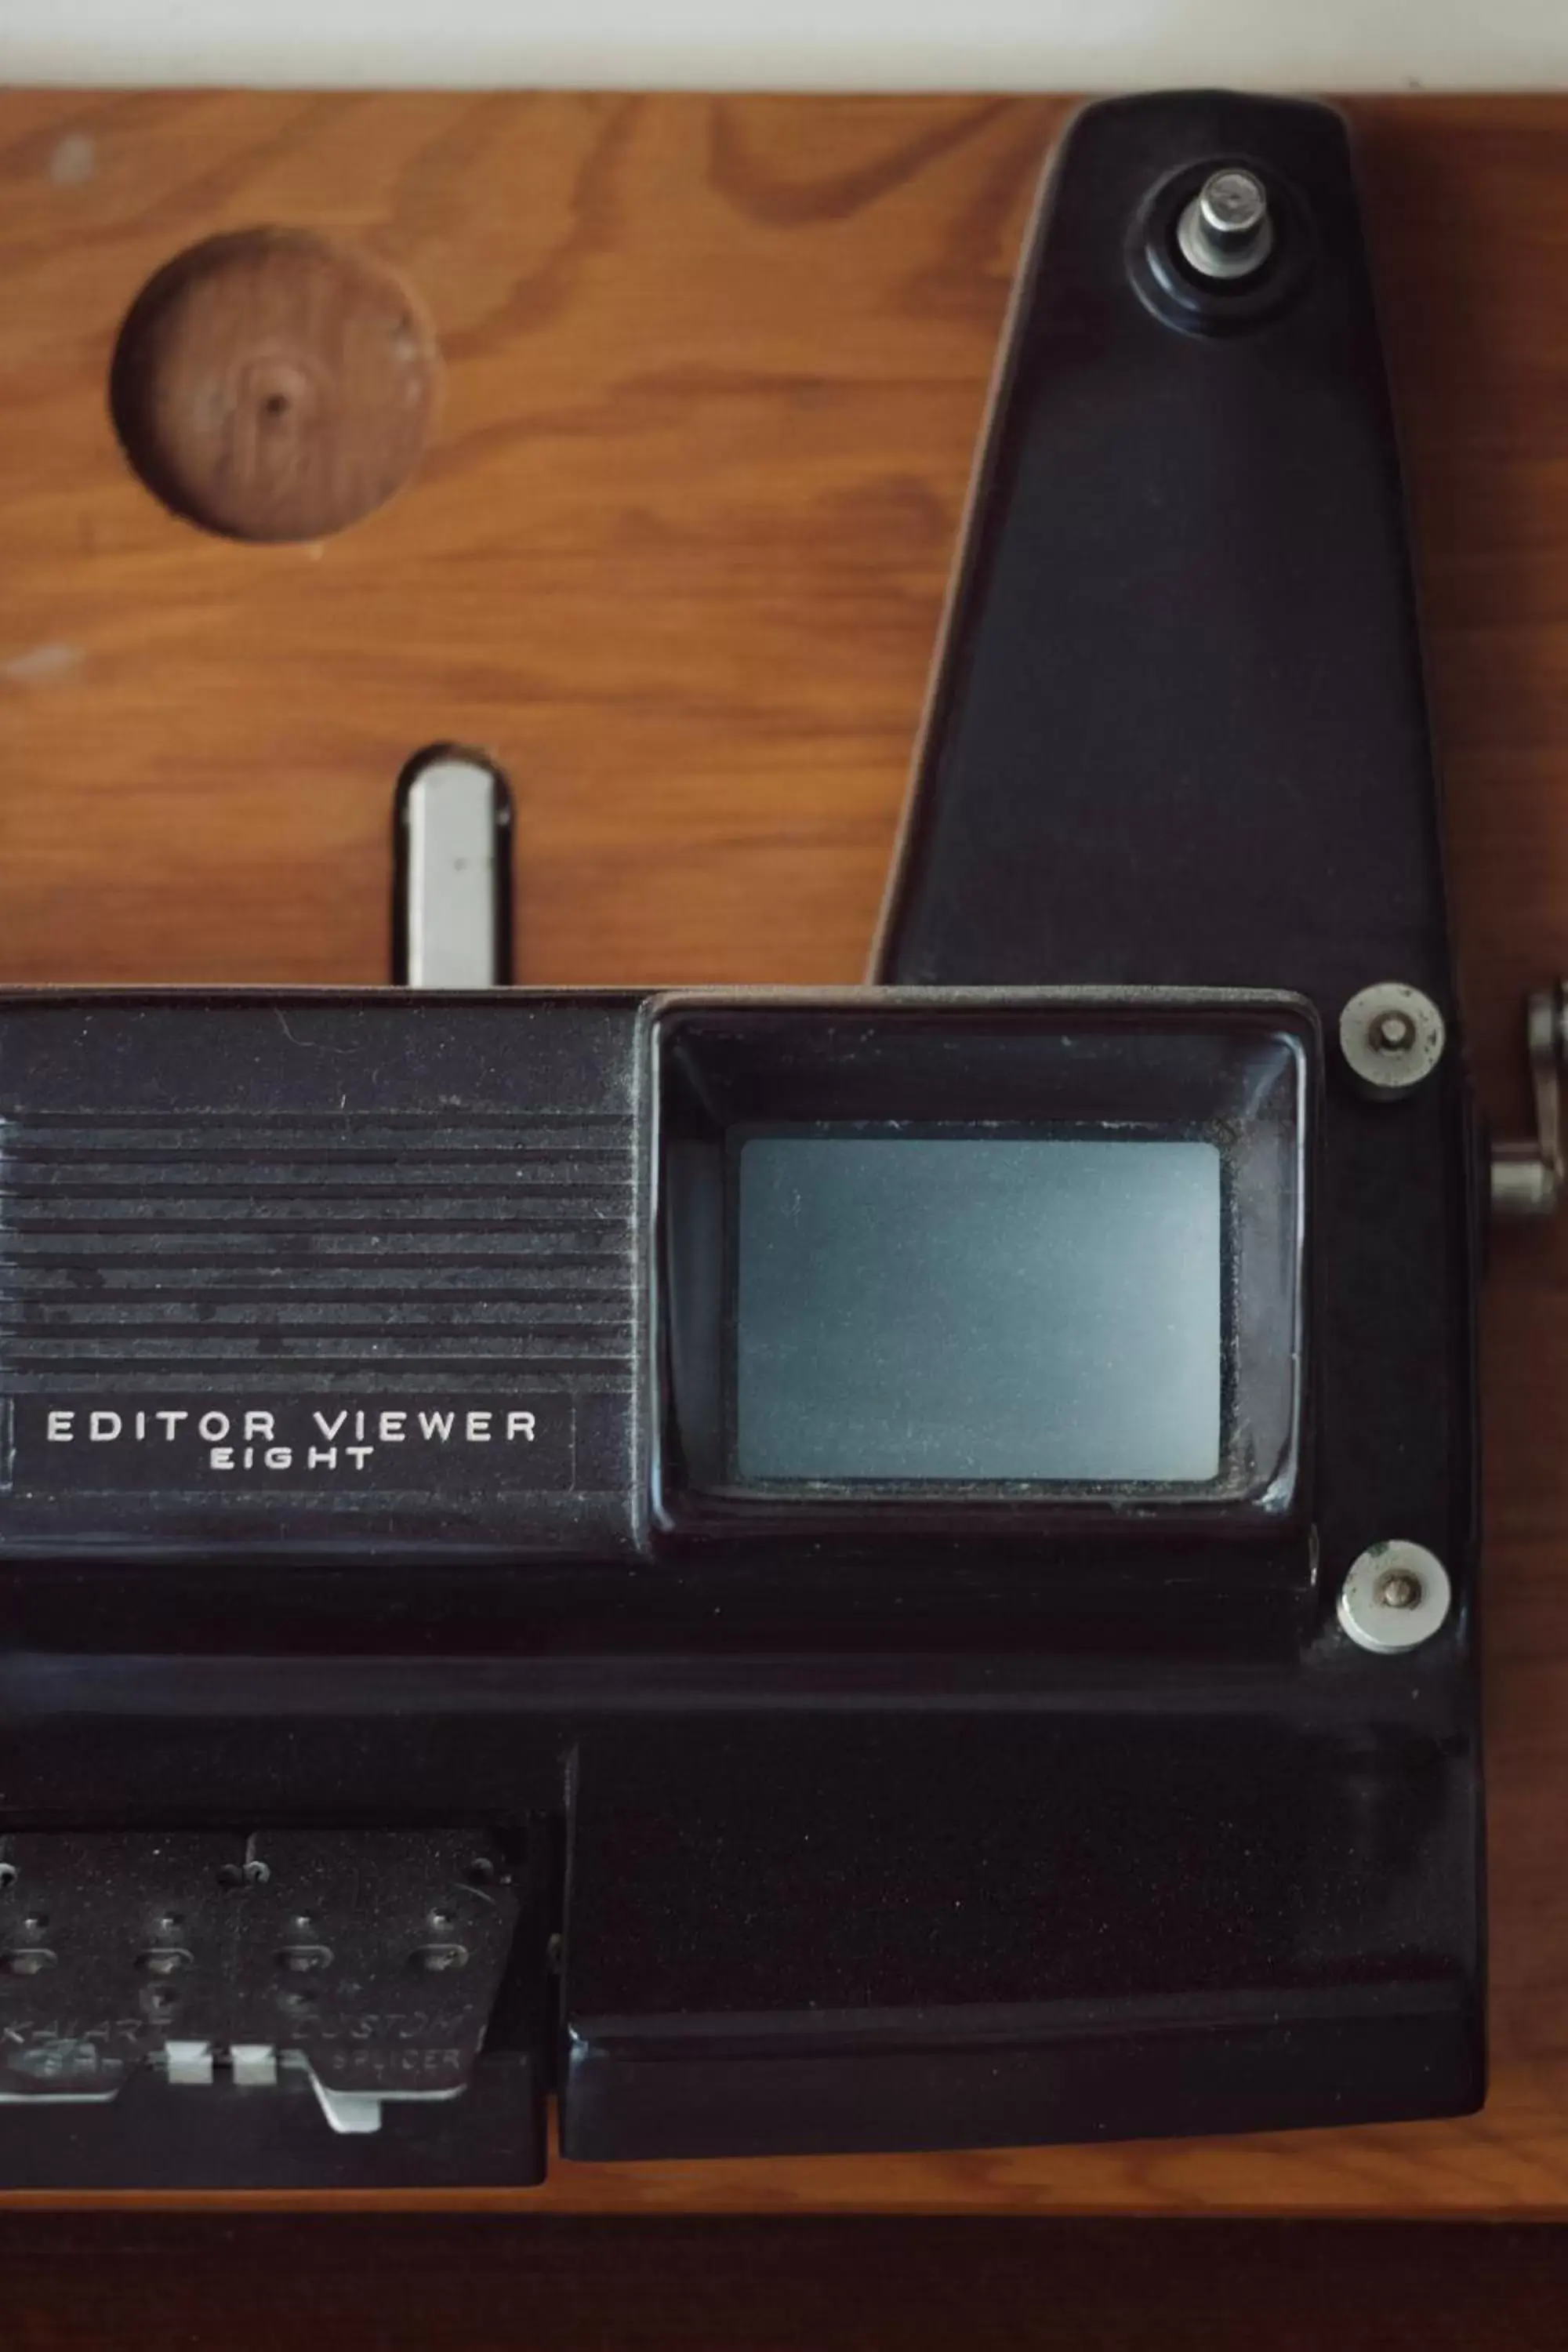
1239,1070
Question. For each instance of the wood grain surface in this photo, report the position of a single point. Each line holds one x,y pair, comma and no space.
273,384
209,2282
713,373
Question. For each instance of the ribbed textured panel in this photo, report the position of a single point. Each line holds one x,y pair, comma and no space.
134,1246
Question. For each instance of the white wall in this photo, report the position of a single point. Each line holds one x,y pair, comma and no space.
851,44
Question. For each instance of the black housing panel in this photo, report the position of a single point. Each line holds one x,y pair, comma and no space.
992,1830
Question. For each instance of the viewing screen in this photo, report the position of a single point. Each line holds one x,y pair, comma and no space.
933,1307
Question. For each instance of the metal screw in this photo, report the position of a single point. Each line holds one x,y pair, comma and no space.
1226,231
1395,1596
1392,1037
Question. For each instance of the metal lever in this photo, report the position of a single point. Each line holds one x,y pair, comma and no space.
452,893
1527,1177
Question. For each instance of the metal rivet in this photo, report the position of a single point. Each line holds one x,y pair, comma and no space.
1392,1037
29,1963
305,1959
168,1963
437,1960
1396,1595
1225,231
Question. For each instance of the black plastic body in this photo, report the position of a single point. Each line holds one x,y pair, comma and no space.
1006,1833
1242,1073
265,1311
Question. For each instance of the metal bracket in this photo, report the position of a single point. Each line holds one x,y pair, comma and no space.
369,1960
259,2066
1527,1177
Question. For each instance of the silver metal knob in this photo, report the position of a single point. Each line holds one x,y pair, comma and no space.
1227,230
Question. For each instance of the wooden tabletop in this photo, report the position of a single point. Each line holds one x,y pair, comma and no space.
711,375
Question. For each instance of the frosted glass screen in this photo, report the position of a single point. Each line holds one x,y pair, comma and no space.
965,1307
